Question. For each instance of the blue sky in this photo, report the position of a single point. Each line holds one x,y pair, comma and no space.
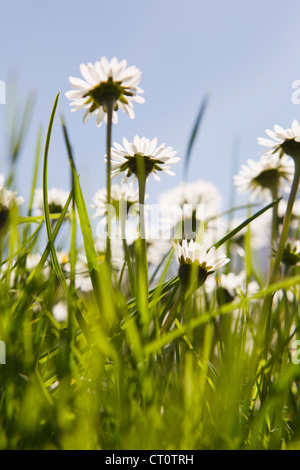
243,53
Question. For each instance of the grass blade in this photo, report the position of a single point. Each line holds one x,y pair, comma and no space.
194,133
244,224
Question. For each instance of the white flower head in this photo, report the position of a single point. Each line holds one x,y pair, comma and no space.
124,193
291,254
8,199
261,177
57,199
32,261
191,207
283,140
236,284
60,311
82,276
197,192
231,286
191,255
105,81
142,156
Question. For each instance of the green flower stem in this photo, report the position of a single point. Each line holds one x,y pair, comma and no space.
274,216
110,103
127,254
142,262
264,325
286,223
274,232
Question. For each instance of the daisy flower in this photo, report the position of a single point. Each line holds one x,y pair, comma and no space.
192,256
197,192
57,199
105,82
32,261
230,287
82,276
235,285
265,176
142,155
283,140
192,206
62,257
60,311
119,193
8,199
291,254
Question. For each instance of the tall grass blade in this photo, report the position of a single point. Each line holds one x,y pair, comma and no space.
194,134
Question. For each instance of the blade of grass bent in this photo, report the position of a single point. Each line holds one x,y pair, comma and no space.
91,255
56,264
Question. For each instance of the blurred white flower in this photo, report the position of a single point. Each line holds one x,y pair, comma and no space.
60,311
190,208
57,199
197,192
117,253
8,199
103,81
124,193
236,285
82,276
142,155
231,286
262,177
62,257
291,253
32,261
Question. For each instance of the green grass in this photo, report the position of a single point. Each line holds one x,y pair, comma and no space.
107,379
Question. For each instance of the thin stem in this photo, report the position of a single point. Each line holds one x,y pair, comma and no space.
274,232
109,108
264,325
142,261
142,189
123,215
274,216
286,223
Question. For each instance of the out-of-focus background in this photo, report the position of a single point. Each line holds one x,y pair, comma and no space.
245,55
